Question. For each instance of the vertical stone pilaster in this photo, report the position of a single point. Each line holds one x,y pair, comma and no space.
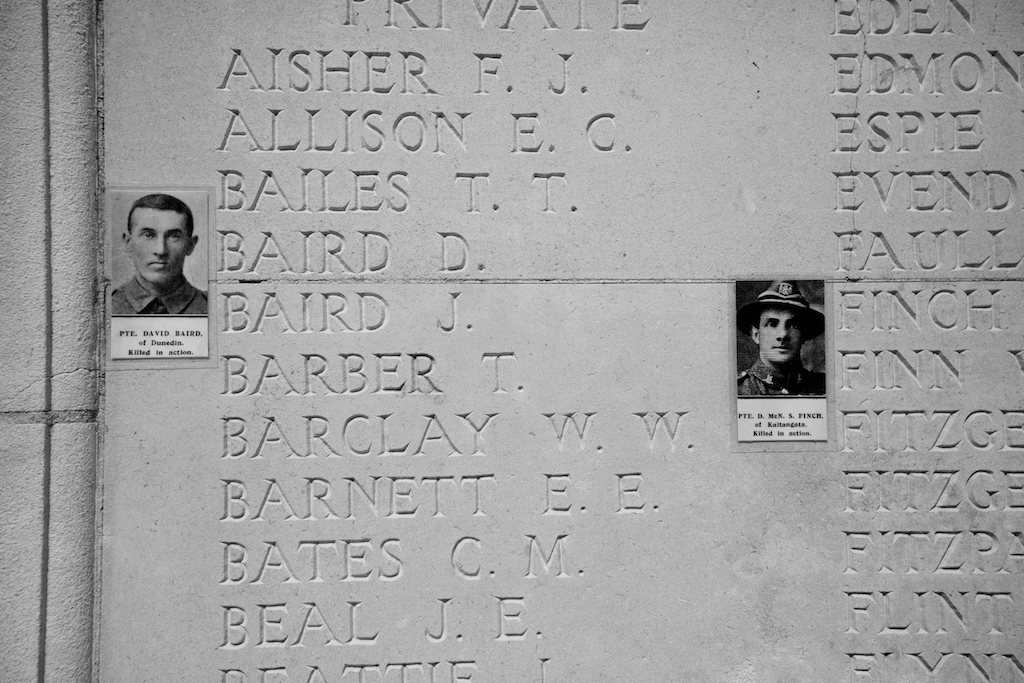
49,241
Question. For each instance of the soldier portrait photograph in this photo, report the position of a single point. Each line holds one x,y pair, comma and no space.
779,347
159,256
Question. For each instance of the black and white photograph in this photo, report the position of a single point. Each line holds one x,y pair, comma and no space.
781,384
512,341
159,271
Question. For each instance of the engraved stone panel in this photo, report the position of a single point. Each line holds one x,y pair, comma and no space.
501,292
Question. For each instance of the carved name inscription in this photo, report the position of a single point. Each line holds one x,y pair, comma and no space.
932,493
929,389
444,439
357,437
927,117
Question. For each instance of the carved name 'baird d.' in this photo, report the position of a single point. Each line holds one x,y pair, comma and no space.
158,238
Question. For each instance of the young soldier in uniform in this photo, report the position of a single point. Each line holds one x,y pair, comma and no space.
779,321
158,240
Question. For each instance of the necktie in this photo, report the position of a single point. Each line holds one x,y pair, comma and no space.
155,307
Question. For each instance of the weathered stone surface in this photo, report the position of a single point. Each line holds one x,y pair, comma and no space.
22,256
49,397
70,561
471,406
21,542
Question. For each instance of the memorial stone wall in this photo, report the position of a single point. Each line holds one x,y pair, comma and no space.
531,340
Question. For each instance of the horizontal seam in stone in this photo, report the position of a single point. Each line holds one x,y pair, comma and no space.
50,417
601,281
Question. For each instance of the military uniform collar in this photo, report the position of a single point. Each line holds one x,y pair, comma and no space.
175,301
776,379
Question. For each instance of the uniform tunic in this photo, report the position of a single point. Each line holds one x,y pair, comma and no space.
132,298
760,380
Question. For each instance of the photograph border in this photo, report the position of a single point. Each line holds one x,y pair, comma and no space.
828,338
110,236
